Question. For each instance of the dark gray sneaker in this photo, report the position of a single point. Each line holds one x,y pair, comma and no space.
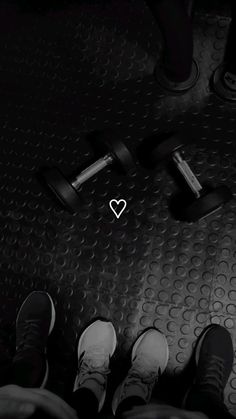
214,357
34,323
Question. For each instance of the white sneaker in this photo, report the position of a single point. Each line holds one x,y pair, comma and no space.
150,356
96,346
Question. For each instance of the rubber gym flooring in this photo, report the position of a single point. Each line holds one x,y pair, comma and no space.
66,71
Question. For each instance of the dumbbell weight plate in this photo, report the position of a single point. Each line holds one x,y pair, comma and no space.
123,157
206,204
219,86
104,142
62,188
158,148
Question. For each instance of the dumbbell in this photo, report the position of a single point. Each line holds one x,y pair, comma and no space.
203,200
222,82
67,189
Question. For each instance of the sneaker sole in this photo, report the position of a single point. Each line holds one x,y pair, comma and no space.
52,323
196,357
78,355
119,388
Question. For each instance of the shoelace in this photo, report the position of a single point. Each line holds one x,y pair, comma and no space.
142,373
212,373
30,335
95,360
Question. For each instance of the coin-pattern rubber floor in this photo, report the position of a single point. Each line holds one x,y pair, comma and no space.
63,73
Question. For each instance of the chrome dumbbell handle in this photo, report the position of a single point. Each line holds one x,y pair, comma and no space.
187,173
90,171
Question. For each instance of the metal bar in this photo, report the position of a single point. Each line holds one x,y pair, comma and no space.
187,173
92,170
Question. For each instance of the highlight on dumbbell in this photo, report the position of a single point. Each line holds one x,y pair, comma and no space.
67,189
197,201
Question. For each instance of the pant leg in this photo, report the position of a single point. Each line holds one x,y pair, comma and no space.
128,404
209,404
177,32
85,403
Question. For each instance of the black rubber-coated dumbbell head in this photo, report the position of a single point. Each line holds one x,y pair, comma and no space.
62,188
198,208
158,148
122,156
105,142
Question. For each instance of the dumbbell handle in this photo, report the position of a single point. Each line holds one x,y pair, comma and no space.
92,170
187,173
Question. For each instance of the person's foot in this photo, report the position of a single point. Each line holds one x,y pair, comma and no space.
224,83
34,323
173,86
214,356
149,358
96,346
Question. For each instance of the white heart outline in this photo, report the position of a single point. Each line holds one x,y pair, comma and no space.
118,202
